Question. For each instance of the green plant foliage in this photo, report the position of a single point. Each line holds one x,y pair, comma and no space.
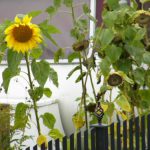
56,134
13,59
113,52
41,71
36,94
36,53
48,120
7,75
80,77
59,54
53,76
72,71
3,47
146,57
144,94
47,92
139,76
73,56
123,103
68,3
113,4
51,10
21,117
86,9
47,30
50,29
35,13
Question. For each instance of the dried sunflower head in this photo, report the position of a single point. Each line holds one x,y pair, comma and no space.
115,79
80,46
91,107
142,17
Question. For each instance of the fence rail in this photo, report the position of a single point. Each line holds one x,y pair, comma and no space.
133,134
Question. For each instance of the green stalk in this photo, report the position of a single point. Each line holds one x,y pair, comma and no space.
81,71
31,87
83,92
91,80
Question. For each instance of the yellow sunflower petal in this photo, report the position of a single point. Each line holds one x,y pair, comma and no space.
26,19
17,19
23,36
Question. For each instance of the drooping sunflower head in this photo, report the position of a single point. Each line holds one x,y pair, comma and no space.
22,35
142,17
80,46
115,79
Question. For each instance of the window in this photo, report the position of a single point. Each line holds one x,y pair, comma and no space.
62,20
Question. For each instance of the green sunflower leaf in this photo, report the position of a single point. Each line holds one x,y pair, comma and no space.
53,76
7,75
21,117
34,14
123,103
48,120
58,54
36,53
56,134
47,92
14,59
72,71
41,71
73,56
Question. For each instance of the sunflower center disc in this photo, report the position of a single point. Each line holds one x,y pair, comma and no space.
22,33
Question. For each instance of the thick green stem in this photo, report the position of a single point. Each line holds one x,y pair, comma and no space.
91,80
83,92
81,71
73,15
31,87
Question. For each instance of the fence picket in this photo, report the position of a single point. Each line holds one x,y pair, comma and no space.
143,132
99,137
137,133
64,143
50,145
35,147
43,146
72,142
79,141
106,138
112,136
93,139
118,136
86,143
131,134
148,132
125,135
57,146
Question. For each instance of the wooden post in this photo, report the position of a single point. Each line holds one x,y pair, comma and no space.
4,126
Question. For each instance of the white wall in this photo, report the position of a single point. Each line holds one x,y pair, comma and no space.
65,94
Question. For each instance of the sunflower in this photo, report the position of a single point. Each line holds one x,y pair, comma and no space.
80,46
115,79
22,35
142,17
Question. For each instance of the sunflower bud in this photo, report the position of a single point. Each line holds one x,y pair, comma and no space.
142,17
115,79
80,46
